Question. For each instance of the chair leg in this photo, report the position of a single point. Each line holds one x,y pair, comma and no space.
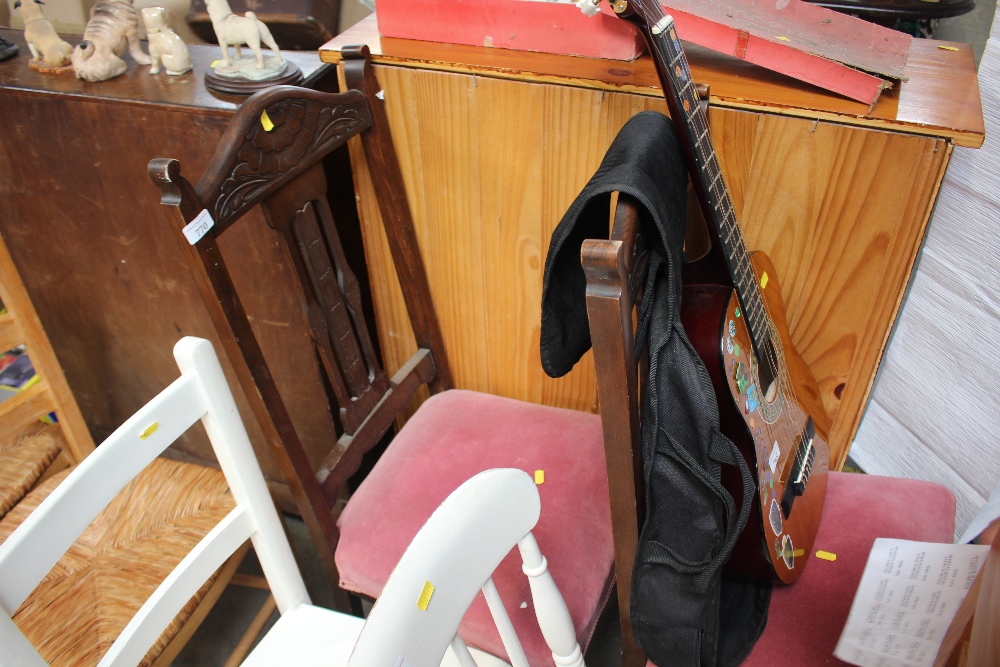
632,655
226,575
550,608
253,631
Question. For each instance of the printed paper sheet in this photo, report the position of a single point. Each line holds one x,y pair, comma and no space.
906,600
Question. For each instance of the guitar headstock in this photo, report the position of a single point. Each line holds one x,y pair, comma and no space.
593,7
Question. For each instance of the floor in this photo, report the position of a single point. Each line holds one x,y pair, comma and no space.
228,620
226,623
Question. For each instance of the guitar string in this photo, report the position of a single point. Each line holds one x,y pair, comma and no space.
696,135
781,430
743,266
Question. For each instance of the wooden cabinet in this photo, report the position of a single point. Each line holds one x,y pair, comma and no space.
99,254
495,144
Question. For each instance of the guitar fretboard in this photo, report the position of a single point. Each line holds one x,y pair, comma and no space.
665,46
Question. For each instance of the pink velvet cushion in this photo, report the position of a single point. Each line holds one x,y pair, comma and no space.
453,436
805,619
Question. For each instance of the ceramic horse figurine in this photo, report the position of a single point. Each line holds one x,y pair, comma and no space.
234,30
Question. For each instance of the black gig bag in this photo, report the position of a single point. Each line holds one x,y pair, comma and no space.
684,611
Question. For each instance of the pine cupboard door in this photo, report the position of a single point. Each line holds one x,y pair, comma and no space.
491,164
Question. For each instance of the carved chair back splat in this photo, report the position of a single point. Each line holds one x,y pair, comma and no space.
271,156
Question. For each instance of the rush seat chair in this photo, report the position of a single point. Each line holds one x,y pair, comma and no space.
144,532
451,437
450,559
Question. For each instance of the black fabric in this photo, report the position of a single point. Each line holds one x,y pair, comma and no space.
654,177
684,612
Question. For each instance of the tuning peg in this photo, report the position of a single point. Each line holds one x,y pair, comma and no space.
589,7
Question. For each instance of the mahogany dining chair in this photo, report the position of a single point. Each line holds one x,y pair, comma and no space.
453,435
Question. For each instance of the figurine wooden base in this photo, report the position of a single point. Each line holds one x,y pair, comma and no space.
237,86
8,49
39,65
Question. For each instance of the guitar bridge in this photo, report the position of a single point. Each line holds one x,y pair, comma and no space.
798,477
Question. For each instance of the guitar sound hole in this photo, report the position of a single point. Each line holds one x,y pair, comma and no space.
767,371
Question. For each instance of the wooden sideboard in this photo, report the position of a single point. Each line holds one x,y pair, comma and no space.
99,254
495,144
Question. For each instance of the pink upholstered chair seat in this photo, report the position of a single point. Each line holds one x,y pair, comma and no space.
805,619
453,436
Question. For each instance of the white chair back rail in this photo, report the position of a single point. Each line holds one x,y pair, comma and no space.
201,393
456,552
449,561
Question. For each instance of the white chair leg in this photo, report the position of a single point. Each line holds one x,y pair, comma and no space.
462,653
550,608
506,629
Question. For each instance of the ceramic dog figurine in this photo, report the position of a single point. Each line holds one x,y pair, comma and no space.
113,27
45,45
165,45
232,30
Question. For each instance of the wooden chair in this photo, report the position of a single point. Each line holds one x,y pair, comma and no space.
805,618
29,451
456,551
452,436
972,638
449,561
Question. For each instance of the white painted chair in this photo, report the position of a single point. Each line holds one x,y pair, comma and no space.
447,563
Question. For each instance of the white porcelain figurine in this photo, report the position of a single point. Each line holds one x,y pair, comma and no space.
233,30
113,27
46,47
165,45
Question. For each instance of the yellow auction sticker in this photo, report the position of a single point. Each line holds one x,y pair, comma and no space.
266,121
425,596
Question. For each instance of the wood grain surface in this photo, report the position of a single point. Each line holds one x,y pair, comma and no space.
136,86
841,212
100,259
491,165
940,97
21,326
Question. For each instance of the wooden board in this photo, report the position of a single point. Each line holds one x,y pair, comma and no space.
21,326
546,26
777,51
792,37
940,97
806,27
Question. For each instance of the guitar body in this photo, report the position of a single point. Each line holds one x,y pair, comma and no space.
772,435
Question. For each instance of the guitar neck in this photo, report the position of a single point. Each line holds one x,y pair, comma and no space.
689,117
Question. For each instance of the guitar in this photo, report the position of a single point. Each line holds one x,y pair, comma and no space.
769,402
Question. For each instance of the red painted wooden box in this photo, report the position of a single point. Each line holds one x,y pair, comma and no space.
527,25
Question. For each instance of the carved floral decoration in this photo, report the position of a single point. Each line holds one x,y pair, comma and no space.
271,151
